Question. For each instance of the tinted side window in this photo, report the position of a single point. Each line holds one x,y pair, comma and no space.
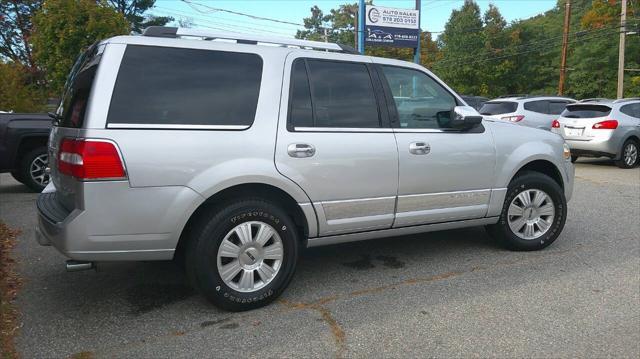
342,95
541,106
498,108
421,102
632,110
301,113
159,85
556,107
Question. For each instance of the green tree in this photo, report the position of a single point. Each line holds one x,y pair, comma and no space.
133,11
15,31
462,44
17,93
65,28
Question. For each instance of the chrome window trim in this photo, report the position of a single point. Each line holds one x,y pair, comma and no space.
424,130
341,129
152,126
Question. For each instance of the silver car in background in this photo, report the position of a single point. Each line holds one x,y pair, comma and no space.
602,128
530,111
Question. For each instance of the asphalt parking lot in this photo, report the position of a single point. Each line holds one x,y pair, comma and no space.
444,294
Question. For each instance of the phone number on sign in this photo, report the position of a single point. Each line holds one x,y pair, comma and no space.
399,20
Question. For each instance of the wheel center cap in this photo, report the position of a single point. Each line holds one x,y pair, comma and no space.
250,257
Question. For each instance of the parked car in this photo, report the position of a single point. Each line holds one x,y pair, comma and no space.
475,101
23,147
231,157
600,127
530,111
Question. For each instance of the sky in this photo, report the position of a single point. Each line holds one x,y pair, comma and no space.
434,14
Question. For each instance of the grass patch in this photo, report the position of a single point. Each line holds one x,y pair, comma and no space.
9,286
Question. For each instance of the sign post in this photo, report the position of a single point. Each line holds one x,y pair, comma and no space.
386,26
361,24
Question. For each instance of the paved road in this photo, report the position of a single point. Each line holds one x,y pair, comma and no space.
445,294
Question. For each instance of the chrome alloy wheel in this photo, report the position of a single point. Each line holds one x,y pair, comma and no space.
250,256
531,214
38,170
630,154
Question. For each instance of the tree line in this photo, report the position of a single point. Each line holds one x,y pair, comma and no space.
40,40
476,54
481,54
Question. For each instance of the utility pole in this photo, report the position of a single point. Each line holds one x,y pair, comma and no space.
565,45
361,23
416,51
326,37
355,29
623,34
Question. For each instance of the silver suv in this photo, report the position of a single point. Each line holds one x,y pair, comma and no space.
231,153
531,111
600,127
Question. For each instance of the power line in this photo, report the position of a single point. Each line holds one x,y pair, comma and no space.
194,6
550,49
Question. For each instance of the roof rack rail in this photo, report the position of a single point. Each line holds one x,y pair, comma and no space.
595,99
621,100
180,32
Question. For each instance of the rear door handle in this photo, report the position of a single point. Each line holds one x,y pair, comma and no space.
419,148
301,150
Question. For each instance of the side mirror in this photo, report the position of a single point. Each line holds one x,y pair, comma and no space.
465,118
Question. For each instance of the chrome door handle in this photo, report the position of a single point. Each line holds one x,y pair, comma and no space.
419,148
300,150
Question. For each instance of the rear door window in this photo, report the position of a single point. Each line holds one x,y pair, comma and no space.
498,108
540,106
586,111
342,95
174,86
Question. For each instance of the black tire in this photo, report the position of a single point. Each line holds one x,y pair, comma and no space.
622,162
16,175
25,165
208,234
527,181
574,158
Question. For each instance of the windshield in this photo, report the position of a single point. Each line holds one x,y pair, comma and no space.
586,111
78,87
498,108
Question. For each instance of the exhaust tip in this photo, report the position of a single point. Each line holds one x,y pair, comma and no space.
75,266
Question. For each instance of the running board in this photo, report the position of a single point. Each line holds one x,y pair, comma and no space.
403,231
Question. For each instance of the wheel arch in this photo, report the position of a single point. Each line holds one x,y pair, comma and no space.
269,192
27,143
542,166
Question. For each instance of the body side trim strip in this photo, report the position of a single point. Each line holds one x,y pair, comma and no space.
353,237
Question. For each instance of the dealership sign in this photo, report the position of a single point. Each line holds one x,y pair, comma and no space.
385,26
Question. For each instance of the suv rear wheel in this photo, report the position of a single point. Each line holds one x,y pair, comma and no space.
533,214
32,169
630,156
243,255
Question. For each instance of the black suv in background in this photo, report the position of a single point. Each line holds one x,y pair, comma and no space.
23,147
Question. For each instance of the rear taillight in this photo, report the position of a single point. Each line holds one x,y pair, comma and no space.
87,159
555,124
606,125
517,118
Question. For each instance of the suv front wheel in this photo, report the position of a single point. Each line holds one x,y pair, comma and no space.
533,214
243,255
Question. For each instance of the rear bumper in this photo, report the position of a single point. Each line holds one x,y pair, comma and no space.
117,223
596,147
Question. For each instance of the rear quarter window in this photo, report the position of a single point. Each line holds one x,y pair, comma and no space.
586,111
498,108
632,110
175,86
540,106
